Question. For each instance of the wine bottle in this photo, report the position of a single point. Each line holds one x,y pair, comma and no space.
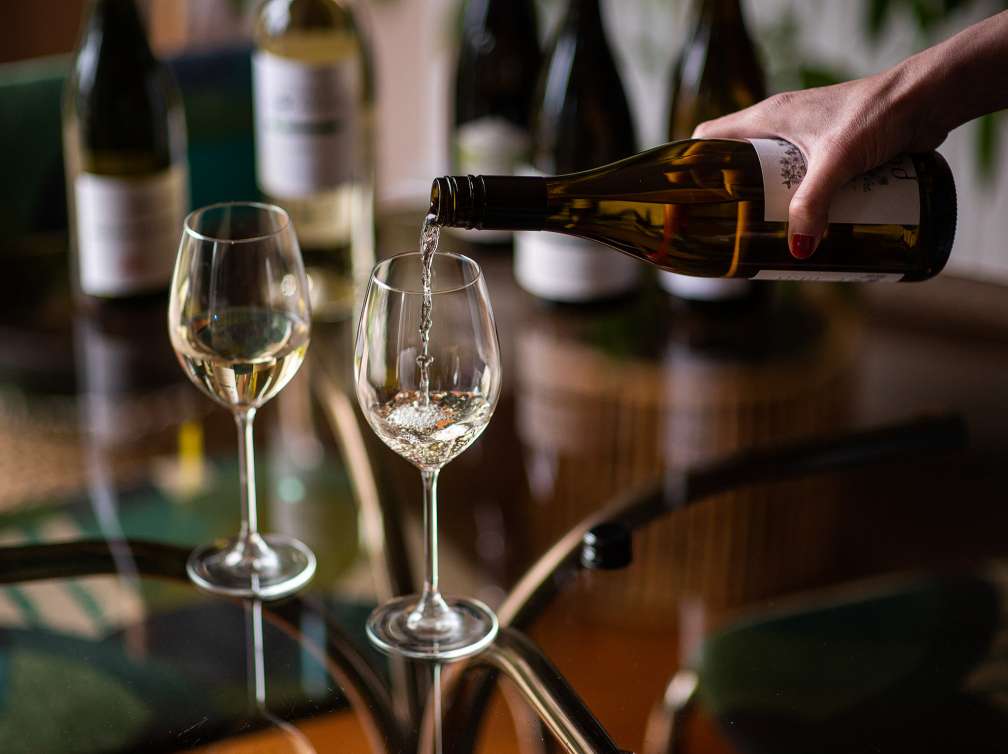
498,64
124,147
314,112
718,208
581,120
717,72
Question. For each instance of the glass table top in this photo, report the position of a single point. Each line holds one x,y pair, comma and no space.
778,529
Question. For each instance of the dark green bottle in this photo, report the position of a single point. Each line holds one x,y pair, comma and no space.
581,120
124,146
717,72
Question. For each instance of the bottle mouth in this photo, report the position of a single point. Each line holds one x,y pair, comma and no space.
454,200
436,194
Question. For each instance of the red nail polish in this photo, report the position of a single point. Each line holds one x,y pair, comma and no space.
802,245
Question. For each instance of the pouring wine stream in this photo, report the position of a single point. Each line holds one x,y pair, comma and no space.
429,237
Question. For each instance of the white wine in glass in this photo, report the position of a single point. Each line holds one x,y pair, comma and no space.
239,321
242,356
427,375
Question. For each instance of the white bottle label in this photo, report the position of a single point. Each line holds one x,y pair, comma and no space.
490,146
888,195
816,276
563,268
128,230
305,123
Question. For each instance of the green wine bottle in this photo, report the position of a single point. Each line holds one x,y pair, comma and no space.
124,145
498,64
717,72
581,120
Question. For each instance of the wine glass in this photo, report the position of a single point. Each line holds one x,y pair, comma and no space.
239,322
428,419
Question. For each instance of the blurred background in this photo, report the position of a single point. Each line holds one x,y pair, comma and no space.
414,44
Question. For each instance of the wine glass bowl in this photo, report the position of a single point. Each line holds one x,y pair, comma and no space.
239,322
428,419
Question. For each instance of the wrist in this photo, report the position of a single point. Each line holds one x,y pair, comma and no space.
959,79
916,90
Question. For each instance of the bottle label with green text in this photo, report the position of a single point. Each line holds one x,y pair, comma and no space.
306,119
887,195
128,230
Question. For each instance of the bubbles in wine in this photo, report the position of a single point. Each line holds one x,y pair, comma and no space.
431,434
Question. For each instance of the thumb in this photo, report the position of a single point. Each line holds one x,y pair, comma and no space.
808,213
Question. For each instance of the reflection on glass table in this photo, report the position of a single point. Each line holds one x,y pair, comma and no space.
199,678
192,687
595,406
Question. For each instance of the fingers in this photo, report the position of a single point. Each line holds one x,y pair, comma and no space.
808,213
745,124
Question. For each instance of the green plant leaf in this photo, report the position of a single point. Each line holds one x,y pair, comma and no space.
876,18
988,142
812,75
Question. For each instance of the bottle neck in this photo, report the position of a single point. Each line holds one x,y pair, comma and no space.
720,12
584,17
121,21
516,15
476,14
489,202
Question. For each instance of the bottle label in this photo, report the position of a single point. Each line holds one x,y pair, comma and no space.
490,146
305,121
128,230
888,195
563,268
815,276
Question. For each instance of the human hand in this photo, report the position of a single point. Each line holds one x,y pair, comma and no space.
844,130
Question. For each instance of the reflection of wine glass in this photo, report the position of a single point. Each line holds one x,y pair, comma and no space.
299,742
428,422
239,323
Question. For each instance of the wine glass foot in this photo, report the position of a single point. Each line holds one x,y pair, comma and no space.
291,565
475,628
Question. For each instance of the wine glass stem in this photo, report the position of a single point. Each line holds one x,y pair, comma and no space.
431,617
246,476
430,531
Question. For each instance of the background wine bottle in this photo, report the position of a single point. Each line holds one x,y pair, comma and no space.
718,208
717,72
581,120
314,112
124,145
498,64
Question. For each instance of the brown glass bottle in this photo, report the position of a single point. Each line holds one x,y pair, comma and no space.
712,208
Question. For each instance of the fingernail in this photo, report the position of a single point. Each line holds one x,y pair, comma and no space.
802,245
